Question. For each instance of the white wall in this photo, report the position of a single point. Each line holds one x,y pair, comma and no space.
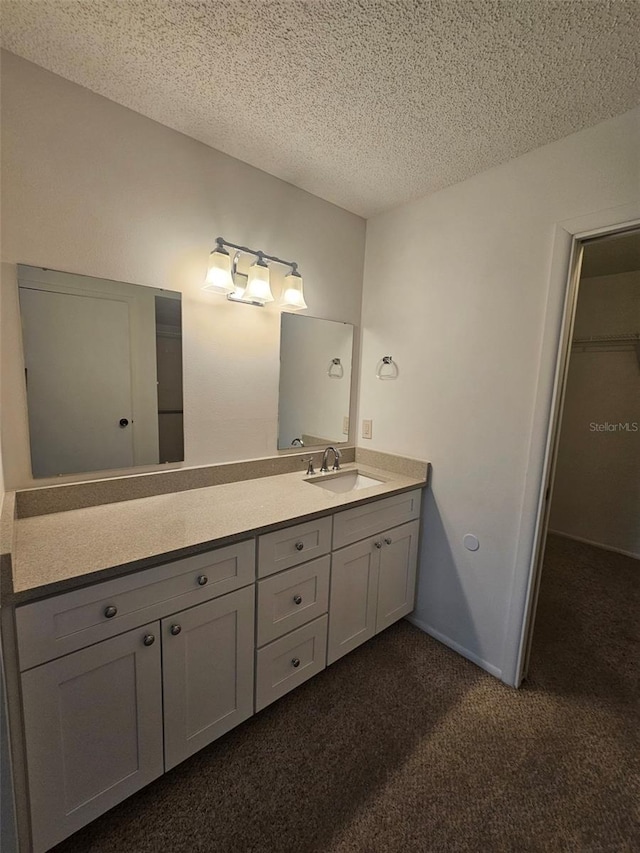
459,301
596,492
94,188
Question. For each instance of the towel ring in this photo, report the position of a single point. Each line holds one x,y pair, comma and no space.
382,371
336,370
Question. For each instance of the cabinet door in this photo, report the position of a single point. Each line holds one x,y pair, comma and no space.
354,593
93,731
208,672
397,582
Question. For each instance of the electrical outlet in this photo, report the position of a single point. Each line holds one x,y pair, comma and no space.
345,425
367,429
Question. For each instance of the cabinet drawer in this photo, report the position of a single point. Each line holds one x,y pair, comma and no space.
362,521
64,623
292,545
292,598
289,661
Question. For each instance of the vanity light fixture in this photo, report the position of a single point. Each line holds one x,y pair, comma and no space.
293,295
258,282
387,368
336,370
221,277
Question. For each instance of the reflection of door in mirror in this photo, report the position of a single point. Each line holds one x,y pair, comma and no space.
103,369
78,372
315,381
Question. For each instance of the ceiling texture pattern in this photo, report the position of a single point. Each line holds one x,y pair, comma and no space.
366,103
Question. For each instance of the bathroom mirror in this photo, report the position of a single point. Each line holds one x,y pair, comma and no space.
315,381
103,372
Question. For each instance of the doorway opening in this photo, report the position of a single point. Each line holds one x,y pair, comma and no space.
587,586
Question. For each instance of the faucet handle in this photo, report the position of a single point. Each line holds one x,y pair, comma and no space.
336,459
310,468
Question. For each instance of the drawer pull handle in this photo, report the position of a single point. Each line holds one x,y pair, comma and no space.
175,630
297,599
149,639
378,544
295,662
110,611
388,540
202,580
299,546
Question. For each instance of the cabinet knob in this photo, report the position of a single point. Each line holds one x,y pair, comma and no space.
149,639
202,580
175,630
387,540
299,546
295,662
297,599
110,611
124,422
378,544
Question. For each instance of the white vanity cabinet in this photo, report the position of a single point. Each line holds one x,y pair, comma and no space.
105,720
373,580
124,679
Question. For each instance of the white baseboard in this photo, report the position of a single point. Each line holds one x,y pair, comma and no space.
595,544
447,641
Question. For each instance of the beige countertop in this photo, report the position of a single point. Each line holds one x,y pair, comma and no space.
59,550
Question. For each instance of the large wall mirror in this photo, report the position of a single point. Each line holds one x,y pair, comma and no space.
315,381
103,371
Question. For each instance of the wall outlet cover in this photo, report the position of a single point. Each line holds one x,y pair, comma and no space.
471,542
345,425
367,429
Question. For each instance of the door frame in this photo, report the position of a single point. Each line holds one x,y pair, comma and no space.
554,360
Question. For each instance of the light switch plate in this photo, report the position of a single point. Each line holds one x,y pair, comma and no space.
345,425
367,429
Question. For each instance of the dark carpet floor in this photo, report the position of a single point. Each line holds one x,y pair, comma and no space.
405,746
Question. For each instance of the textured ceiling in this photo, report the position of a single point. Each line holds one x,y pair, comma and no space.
366,103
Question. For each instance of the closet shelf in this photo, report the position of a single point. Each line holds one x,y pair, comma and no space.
627,338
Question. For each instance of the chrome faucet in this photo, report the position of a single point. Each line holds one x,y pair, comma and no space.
325,459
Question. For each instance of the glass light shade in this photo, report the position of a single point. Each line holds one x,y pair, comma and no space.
258,286
293,294
219,278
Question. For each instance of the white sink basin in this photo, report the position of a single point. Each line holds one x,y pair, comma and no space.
349,481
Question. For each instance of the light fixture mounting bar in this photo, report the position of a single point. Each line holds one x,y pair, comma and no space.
220,241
